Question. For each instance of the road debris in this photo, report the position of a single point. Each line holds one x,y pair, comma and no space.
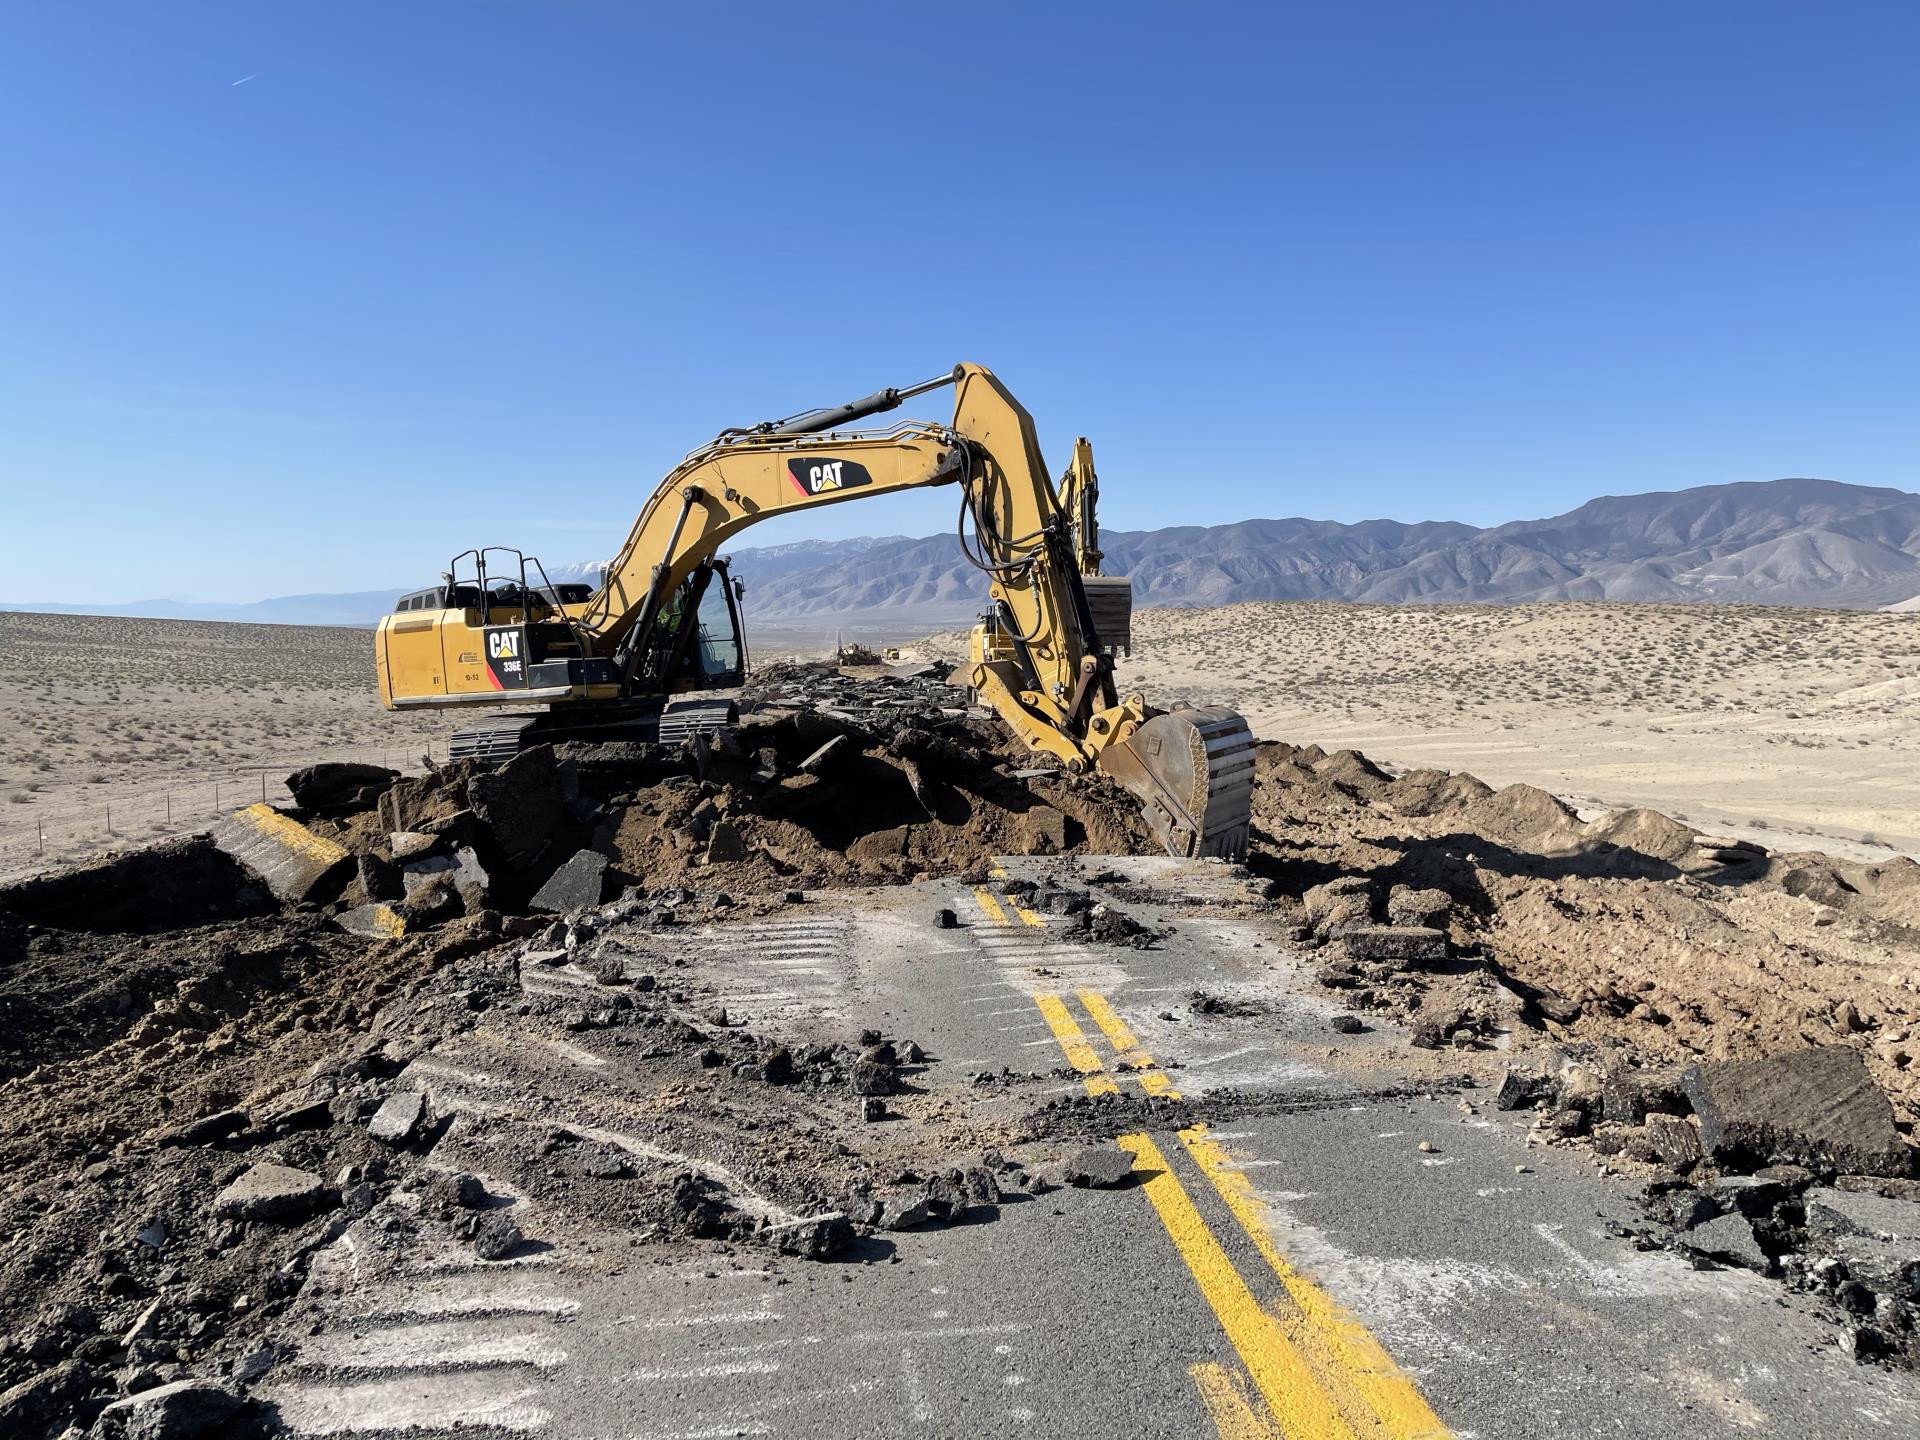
217,1078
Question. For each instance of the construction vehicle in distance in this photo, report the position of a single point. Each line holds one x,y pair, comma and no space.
639,656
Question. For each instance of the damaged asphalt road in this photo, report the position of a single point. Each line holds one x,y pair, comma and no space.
1501,1278
831,1073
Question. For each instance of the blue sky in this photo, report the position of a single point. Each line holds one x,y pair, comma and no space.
445,274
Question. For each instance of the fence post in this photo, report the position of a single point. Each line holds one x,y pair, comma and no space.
216,797
169,807
263,787
40,829
109,819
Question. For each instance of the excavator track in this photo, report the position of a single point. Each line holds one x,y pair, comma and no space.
502,737
1192,771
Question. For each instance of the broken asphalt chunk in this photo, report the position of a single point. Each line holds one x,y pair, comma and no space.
182,1410
292,861
398,1116
871,1077
1100,1168
1520,1089
1397,945
817,1237
1820,1108
576,885
333,788
206,1130
272,1192
1728,1238
495,1237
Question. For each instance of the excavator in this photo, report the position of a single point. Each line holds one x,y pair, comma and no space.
642,654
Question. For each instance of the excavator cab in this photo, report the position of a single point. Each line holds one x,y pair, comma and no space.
698,643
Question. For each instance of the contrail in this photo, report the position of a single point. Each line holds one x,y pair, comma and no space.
244,78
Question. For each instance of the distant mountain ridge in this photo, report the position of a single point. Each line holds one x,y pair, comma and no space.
1776,542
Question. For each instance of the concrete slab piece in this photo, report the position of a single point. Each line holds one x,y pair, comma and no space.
293,862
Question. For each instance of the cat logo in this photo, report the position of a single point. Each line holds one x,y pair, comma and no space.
505,669
823,476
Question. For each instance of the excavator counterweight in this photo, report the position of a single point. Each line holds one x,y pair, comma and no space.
620,661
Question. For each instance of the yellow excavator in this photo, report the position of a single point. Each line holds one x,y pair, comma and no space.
640,655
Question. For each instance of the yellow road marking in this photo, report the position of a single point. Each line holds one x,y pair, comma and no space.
990,905
1234,1413
1152,1079
1320,1372
1073,1043
389,921
1108,1019
1286,1382
292,834
998,872
1344,1346
1025,914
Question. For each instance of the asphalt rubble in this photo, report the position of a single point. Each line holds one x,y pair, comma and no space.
211,1061
210,1055
1731,1028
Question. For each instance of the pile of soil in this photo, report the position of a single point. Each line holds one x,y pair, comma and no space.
1630,936
827,782
158,1068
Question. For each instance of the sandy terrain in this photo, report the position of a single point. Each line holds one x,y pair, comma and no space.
1754,721
1751,720
144,718
106,711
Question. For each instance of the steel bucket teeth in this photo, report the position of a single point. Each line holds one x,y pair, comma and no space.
1193,773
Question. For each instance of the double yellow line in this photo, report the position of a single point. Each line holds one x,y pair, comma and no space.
1315,1372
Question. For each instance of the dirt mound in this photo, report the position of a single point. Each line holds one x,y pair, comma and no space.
1633,935
1645,832
828,781
1428,792
163,887
1527,818
157,1071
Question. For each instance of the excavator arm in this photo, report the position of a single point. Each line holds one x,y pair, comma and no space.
1038,659
1042,656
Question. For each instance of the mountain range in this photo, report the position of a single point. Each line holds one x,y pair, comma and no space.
1776,542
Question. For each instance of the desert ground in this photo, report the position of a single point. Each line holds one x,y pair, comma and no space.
1757,721
149,716
1775,724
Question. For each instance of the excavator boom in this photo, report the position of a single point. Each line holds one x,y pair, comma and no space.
1042,656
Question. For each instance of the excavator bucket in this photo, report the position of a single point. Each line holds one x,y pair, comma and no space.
1193,773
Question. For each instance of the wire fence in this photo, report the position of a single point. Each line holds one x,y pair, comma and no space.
118,815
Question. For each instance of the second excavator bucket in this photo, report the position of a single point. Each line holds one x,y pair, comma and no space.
1192,771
